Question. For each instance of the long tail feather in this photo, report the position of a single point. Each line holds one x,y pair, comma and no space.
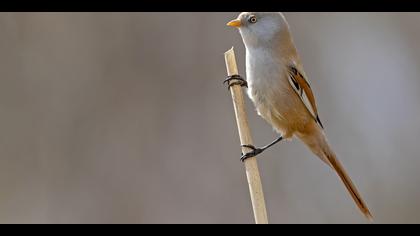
316,140
335,163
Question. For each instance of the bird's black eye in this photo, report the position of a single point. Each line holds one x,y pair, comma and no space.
252,19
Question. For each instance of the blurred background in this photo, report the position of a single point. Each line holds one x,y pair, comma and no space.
123,118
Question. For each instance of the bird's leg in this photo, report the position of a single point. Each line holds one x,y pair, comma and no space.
238,80
255,151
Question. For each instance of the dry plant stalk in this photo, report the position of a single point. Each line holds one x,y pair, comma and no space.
251,166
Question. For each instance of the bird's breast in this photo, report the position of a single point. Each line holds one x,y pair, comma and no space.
271,93
266,77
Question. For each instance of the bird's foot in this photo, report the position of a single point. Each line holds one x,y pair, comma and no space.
238,80
255,151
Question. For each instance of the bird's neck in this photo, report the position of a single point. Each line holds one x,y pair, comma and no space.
280,47
284,51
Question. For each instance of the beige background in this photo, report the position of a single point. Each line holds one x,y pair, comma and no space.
122,118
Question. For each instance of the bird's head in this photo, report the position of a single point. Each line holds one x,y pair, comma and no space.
260,28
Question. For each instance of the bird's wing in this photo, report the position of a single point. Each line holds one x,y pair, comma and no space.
301,86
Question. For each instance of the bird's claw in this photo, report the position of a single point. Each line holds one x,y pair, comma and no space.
238,81
255,151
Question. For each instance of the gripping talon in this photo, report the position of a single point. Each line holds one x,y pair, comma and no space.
249,146
253,153
239,81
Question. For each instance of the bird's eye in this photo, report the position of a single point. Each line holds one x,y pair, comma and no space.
252,19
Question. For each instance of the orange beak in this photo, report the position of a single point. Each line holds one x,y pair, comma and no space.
235,23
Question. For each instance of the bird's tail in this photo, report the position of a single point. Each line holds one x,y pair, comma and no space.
322,149
335,163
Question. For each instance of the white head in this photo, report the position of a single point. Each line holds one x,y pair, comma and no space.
261,29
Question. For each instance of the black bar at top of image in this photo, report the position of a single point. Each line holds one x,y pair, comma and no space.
205,6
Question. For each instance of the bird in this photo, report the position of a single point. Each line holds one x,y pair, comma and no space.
281,93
